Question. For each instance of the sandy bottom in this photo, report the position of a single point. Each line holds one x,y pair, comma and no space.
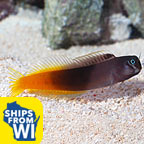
103,116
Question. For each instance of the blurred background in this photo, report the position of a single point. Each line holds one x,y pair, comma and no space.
66,23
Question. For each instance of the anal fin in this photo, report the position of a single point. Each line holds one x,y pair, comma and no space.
57,94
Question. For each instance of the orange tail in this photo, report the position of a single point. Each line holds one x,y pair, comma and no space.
15,82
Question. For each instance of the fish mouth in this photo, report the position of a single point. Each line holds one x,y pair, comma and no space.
136,70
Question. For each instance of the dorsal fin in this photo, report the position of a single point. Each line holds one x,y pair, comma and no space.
57,62
52,63
93,58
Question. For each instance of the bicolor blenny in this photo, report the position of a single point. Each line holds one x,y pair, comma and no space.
61,75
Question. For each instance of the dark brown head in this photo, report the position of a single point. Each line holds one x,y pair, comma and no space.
128,66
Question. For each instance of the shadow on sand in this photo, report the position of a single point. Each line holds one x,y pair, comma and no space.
129,89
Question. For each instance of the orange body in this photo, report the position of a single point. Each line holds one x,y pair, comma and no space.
36,81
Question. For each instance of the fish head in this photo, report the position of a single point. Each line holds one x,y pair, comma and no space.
130,66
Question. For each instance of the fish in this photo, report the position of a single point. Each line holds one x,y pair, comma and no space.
62,75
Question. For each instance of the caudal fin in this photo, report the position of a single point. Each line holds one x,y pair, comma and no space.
15,82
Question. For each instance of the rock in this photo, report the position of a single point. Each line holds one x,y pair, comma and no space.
114,22
135,9
6,8
37,3
29,3
90,22
72,22
119,27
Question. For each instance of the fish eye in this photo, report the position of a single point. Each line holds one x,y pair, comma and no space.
132,61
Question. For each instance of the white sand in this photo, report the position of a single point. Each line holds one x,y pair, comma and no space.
111,115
